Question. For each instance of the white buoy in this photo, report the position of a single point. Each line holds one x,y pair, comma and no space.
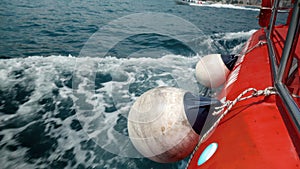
211,71
158,126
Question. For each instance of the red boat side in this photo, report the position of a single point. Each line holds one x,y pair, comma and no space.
257,132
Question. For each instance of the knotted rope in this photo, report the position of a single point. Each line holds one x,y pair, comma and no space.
227,106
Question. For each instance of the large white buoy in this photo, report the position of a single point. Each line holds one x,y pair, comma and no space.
158,126
211,71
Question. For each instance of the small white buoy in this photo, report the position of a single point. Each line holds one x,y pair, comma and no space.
158,126
212,70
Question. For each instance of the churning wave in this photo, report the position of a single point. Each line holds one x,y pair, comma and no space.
231,42
51,117
71,112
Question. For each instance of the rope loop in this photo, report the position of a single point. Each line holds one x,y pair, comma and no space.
227,106
243,96
258,44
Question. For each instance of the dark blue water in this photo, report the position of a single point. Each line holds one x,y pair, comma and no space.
44,28
70,70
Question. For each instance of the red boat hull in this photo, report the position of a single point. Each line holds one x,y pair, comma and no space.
256,132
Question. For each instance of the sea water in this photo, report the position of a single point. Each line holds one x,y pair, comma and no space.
70,71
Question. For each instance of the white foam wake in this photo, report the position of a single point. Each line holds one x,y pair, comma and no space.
232,42
102,91
230,6
237,35
102,111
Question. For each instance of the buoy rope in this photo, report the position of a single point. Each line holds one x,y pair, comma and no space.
259,43
228,106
